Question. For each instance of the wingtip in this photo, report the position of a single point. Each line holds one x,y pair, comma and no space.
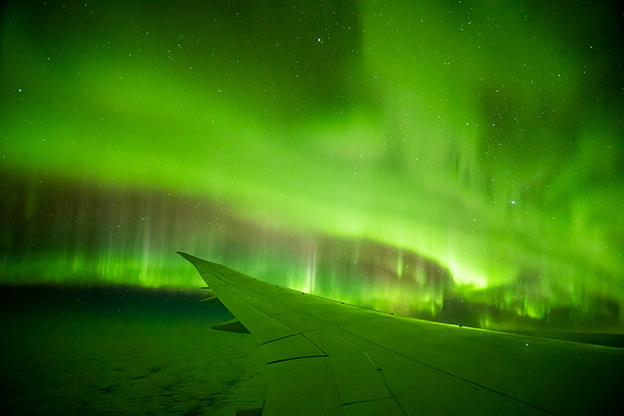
188,257
185,255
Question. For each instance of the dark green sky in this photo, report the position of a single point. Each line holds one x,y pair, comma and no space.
483,137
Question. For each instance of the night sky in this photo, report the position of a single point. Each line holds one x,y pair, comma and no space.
458,161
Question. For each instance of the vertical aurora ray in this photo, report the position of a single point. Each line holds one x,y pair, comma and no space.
414,157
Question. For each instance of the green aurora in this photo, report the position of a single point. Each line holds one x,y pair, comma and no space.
408,156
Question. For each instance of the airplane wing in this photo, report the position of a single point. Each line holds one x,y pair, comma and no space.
328,358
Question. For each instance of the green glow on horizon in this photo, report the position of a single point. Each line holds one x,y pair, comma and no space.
486,138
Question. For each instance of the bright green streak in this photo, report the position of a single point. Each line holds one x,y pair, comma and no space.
486,138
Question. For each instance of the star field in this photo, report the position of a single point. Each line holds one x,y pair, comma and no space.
408,157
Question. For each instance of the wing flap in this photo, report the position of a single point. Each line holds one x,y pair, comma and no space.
257,322
330,341
290,348
302,387
357,378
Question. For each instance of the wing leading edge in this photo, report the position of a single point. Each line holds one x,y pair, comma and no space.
324,357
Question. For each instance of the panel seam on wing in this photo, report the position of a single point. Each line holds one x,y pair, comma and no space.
372,400
297,358
281,338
